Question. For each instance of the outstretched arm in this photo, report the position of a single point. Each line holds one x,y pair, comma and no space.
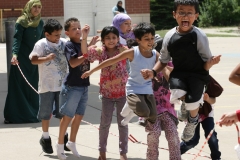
235,75
124,55
228,119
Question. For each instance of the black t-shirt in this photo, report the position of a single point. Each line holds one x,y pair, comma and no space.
73,50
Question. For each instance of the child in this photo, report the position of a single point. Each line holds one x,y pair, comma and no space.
139,91
48,54
188,48
228,119
166,119
112,81
74,93
206,119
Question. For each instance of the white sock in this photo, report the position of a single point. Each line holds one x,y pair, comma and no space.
72,146
126,110
60,151
45,135
126,120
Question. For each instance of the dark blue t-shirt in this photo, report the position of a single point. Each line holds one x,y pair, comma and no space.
73,50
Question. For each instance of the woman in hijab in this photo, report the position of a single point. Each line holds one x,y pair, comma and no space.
118,9
22,102
123,24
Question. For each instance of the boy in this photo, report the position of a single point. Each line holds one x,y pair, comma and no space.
189,50
206,119
48,54
74,93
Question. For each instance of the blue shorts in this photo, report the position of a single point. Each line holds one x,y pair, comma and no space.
73,100
46,102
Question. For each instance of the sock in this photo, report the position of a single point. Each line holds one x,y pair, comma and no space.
72,146
126,120
60,151
45,135
193,119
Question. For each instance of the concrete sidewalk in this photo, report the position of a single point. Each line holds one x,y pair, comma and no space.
21,141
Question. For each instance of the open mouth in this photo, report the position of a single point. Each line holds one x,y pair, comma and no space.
185,23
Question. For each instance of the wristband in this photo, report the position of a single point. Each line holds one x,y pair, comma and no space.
154,73
85,55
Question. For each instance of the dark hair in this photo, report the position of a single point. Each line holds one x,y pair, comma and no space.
131,43
109,29
194,3
119,2
159,45
68,22
52,25
142,28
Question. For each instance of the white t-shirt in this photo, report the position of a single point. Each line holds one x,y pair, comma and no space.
51,73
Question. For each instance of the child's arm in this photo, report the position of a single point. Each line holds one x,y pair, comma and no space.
74,62
149,74
228,119
214,60
39,60
235,75
210,100
124,55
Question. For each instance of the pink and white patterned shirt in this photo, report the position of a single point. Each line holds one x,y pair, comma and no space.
112,78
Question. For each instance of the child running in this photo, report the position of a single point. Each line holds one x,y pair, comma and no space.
48,53
166,120
188,48
112,87
74,93
139,92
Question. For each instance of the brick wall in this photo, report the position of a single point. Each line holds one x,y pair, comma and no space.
51,8
137,6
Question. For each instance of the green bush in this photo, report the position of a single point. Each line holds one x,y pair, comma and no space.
219,13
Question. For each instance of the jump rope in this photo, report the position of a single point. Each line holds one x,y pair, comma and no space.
134,140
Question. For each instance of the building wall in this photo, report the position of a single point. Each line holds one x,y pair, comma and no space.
137,6
51,8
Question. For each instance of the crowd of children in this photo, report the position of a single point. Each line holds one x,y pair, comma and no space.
149,86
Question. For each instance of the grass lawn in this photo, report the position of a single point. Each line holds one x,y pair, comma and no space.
163,32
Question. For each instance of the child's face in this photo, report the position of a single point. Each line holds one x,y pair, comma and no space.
74,31
185,16
54,36
126,26
110,40
146,42
36,10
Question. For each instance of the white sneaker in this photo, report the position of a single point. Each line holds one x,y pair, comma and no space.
72,147
60,151
189,131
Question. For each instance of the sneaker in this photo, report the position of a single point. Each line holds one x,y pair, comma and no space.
60,152
189,131
46,145
65,142
182,114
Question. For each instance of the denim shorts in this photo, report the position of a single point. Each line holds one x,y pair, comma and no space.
73,100
46,102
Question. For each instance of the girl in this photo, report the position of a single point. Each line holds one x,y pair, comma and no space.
112,82
123,24
166,119
140,99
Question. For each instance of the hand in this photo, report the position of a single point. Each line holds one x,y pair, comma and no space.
147,73
51,56
86,74
94,40
14,60
228,119
85,31
214,60
205,97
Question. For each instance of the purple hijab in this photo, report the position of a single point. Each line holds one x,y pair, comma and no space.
118,20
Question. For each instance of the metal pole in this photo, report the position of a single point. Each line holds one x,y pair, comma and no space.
10,29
